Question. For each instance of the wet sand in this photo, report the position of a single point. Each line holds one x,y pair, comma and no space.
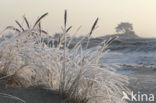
143,80
30,95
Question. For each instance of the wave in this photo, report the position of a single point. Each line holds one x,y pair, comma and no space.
136,45
125,45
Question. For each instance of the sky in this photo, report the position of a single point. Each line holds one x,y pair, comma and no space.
141,13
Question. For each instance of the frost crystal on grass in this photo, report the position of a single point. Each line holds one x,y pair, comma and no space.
76,73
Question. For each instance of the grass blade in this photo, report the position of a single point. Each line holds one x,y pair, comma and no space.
68,28
39,25
93,27
19,25
26,21
44,32
111,40
65,18
40,19
12,28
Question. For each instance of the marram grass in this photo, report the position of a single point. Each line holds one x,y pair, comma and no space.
25,60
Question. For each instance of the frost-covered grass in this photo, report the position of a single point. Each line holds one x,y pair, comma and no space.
25,60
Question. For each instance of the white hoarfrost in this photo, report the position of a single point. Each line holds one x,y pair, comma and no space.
76,73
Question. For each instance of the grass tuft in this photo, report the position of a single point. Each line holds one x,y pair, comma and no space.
76,73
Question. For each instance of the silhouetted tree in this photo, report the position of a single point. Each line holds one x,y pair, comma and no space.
124,27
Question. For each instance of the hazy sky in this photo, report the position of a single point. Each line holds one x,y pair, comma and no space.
142,13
